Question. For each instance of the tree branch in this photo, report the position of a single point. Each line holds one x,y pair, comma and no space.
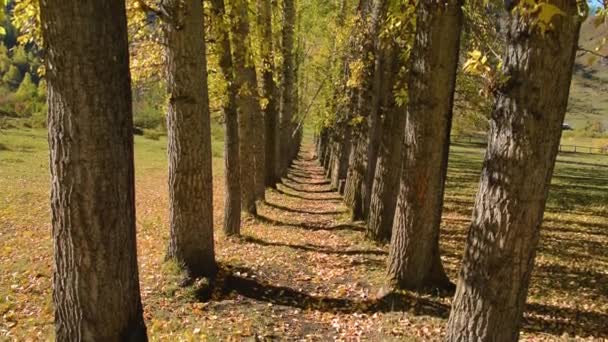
160,12
580,48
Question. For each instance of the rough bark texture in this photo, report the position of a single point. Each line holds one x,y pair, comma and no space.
189,137
232,200
370,96
322,142
329,159
249,108
525,130
287,85
357,166
388,166
95,277
269,91
414,261
361,46
340,162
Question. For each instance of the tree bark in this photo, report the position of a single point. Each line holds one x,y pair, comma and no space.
362,50
232,169
414,261
288,85
370,96
189,139
250,120
341,152
388,168
357,165
269,91
525,131
95,278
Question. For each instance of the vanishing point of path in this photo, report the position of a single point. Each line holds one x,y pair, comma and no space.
305,272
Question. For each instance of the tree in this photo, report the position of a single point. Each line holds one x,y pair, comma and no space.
232,169
269,91
251,152
287,104
362,57
27,89
523,141
385,187
189,138
371,94
12,77
96,282
414,261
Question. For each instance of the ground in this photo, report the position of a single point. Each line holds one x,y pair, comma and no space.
301,271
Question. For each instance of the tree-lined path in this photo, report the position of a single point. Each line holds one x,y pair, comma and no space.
289,169
302,270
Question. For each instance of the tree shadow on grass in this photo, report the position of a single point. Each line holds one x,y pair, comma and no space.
322,199
304,175
564,320
314,248
567,226
292,179
233,281
301,211
301,225
307,171
309,191
539,318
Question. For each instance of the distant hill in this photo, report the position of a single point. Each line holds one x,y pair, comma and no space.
589,92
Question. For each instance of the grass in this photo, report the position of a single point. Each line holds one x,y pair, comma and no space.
301,271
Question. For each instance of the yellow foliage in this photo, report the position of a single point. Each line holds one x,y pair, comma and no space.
356,73
541,13
476,64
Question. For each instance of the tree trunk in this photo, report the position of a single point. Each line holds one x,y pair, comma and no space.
95,278
249,109
525,131
269,90
342,152
329,159
388,168
357,165
414,261
232,200
322,140
362,50
189,138
371,97
288,84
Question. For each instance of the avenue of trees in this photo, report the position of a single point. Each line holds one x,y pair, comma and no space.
380,86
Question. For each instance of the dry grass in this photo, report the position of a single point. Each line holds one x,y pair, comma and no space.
301,271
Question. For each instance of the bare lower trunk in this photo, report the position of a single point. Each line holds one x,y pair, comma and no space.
250,115
189,137
357,165
342,152
388,166
232,200
288,85
269,90
414,261
95,278
370,96
525,130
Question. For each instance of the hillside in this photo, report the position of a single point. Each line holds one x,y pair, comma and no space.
588,100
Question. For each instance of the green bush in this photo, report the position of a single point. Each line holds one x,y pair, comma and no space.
149,105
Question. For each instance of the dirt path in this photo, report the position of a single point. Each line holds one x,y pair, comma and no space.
300,271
